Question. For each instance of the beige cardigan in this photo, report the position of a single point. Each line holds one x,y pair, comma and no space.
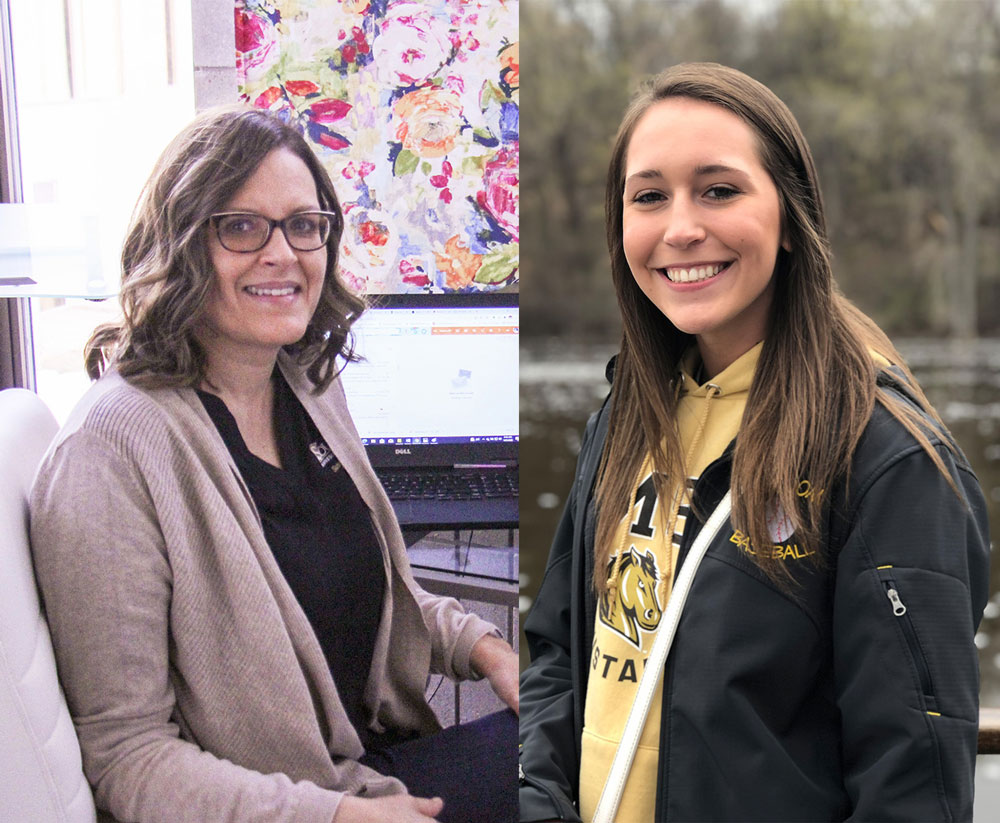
198,688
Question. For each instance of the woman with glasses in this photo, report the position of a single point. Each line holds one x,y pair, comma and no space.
762,598
237,629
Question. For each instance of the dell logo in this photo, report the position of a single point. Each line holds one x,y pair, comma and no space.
403,451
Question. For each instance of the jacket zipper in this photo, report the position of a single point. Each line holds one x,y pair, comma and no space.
900,611
524,780
691,529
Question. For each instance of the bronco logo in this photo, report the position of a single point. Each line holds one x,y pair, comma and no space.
635,604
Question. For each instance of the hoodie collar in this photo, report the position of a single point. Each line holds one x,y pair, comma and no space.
734,379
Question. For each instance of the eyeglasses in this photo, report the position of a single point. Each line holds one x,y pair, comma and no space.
247,232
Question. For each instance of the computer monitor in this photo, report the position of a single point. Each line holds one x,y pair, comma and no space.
438,382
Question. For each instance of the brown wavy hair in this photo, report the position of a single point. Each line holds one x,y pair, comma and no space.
166,270
815,385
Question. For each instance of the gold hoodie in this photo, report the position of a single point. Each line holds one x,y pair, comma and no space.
641,573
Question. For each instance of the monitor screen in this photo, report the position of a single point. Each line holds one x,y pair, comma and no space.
437,370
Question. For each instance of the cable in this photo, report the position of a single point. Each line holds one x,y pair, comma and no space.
441,679
468,546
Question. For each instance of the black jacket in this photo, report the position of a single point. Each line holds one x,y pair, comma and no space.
823,705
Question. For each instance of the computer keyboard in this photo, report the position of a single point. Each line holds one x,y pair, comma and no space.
453,484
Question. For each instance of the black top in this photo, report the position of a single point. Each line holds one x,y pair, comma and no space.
322,536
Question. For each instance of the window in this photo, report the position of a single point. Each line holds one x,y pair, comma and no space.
102,85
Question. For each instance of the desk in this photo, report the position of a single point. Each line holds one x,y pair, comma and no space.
470,565
480,568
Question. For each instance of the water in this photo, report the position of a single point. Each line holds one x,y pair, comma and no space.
561,385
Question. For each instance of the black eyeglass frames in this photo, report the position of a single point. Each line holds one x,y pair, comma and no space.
247,232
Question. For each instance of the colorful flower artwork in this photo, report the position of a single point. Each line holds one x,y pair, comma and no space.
413,109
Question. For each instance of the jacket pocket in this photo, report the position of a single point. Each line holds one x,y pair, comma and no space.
896,598
524,781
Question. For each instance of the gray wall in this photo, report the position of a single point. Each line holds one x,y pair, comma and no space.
214,51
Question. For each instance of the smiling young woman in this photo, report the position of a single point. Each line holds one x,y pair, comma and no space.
701,225
818,639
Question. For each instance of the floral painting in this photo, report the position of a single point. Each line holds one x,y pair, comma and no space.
413,109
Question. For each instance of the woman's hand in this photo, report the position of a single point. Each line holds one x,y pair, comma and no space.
399,808
495,660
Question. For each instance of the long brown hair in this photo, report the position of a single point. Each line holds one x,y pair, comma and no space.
166,270
815,385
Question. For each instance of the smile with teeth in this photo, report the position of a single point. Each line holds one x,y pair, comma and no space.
677,274
283,291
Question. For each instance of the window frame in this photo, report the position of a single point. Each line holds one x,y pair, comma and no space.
17,361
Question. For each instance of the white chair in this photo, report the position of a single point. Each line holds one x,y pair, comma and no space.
41,777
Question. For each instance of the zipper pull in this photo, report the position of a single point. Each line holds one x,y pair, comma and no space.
898,608
520,774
